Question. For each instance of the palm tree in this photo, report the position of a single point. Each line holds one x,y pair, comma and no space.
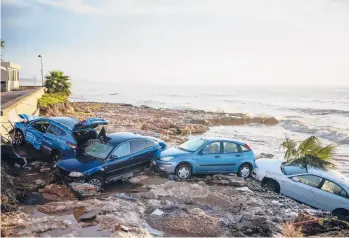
309,152
2,43
56,82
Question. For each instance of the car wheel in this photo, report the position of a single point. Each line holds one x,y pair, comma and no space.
56,155
245,170
272,185
183,171
97,181
341,214
18,137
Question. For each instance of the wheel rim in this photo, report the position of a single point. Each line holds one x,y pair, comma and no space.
56,156
183,172
18,138
245,171
96,182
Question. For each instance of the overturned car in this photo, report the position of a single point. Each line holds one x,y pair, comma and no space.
57,137
110,158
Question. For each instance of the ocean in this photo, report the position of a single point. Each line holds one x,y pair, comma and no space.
302,110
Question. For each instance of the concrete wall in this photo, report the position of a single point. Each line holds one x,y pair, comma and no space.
25,104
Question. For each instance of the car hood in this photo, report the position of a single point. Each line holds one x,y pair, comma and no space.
81,163
172,151
269,165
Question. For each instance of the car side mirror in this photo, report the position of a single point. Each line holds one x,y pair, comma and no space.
114,157
295,179
200,152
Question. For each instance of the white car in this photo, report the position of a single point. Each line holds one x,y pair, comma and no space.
325,190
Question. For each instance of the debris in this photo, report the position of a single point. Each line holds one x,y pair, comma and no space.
61,191
245,189
78,212
117,226
125,197
84,190
42,170
40,182
157,212
32,199
229,180
90,215
124,228
34,163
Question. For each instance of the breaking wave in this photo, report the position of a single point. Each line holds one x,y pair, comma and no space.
337,135
313,111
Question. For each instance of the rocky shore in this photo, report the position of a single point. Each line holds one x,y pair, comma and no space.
152,204
173,126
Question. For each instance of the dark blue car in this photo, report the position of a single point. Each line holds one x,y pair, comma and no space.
58,137
111,158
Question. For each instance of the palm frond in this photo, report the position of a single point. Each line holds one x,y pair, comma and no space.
313,161
290,147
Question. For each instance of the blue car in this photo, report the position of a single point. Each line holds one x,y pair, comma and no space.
58,137
207,156
111,159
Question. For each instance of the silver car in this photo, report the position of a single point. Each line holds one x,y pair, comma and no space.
325,190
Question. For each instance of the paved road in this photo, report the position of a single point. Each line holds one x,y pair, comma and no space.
13,95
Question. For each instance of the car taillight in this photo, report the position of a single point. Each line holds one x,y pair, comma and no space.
248,147
73,146
82,121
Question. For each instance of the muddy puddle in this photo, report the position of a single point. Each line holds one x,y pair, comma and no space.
69,219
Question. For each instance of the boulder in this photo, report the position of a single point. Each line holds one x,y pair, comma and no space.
90,215
61,191
233,180
84,190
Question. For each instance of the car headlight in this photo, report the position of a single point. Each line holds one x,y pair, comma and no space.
168,158
75,174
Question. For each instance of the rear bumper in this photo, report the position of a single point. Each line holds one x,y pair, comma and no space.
164,166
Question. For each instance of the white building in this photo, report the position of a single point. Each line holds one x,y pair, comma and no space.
9,76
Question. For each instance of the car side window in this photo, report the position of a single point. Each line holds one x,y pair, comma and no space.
230,147
40,126
310,180
213,148
138,145
244,149
54,130
149,143
331,187
123,150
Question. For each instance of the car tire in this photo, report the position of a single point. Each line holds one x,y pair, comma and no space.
18,137
56,155
272,185
341,214
183,171
245,170
97,181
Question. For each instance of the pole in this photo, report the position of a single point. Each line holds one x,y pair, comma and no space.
42,71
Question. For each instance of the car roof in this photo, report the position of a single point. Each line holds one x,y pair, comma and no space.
119,137
66,121
331,175
223,139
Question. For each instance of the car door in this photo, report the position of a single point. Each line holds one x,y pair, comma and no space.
35,132
142,153
120,161
210,158
301,187
232,155
330,197
52,139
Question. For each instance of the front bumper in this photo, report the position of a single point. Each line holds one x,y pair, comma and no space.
165,166
258,174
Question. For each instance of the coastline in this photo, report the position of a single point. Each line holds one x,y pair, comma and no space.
171,125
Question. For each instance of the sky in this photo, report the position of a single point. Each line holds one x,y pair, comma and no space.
252,42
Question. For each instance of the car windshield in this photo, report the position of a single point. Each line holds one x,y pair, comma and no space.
292,169
192,145
98,150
